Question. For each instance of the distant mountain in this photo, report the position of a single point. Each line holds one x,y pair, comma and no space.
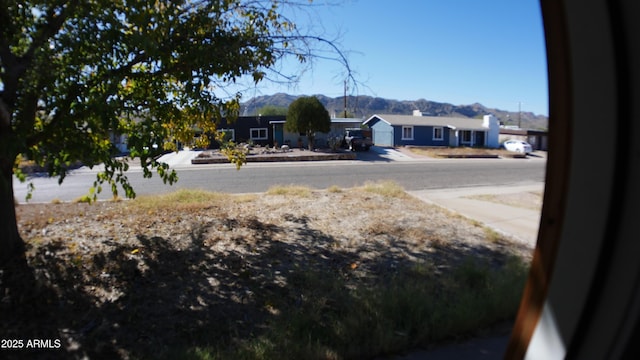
364,106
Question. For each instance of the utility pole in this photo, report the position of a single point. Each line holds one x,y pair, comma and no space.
345,98
519,114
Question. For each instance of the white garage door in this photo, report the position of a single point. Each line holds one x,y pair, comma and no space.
382,138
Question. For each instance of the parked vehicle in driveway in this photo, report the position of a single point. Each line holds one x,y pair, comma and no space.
358,139
519,146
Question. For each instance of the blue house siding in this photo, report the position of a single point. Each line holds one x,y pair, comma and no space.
400,130
338,126
422,136
256,129
385,134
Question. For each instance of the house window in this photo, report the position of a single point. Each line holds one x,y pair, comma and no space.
258,134
229,134
407,133
437,133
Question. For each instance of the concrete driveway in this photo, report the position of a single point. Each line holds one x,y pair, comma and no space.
385,153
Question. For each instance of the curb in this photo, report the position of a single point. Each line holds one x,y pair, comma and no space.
467,156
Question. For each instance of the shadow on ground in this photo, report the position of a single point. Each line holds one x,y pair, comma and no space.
151,300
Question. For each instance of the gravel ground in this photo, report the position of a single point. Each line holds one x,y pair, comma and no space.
131,278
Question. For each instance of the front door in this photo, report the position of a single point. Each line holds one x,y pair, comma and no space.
278,134
479,141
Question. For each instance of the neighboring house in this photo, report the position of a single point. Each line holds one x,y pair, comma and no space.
337,127
255,129
119,141
418,130
537,138
263,130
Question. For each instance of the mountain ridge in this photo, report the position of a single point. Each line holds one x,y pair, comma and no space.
363,106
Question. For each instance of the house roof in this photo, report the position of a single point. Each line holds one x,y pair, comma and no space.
346,120
411,120
333,121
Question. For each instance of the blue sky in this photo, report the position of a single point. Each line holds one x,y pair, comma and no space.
455,51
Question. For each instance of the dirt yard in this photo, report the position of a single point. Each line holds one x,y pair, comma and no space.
130,278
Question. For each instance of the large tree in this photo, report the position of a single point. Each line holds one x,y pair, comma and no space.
307,115
75,72
272,110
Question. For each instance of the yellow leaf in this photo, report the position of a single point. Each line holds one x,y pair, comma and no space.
135,251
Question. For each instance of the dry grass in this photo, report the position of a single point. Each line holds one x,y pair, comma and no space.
257,274
291,190
385,188
183,199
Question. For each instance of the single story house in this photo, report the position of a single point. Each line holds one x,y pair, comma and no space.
537,138
418,130
338,125
264,130
245,129
119,141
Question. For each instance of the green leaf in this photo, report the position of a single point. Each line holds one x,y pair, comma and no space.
155,72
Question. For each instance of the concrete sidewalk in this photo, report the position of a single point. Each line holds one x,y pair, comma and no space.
519,222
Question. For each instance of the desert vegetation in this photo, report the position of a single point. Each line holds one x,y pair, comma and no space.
291,273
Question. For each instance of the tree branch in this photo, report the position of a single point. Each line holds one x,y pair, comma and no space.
5,116
49,28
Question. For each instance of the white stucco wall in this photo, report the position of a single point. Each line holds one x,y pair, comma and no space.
493,133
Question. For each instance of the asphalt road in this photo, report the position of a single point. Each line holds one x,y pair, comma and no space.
259,177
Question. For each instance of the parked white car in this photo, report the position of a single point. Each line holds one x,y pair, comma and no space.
520,146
